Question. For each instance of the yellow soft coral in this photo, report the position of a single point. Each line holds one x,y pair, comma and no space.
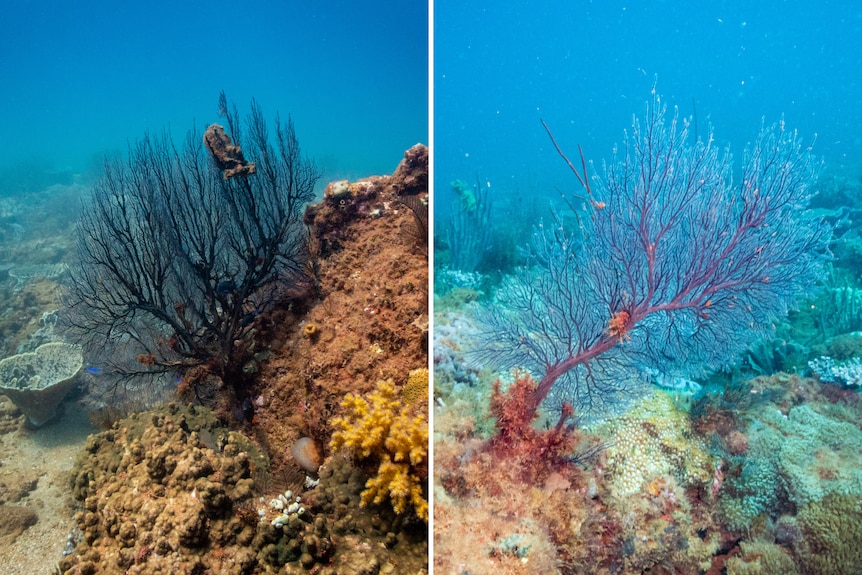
382,427
408,439
366,426
402,487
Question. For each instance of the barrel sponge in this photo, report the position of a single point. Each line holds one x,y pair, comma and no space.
38,381
381,428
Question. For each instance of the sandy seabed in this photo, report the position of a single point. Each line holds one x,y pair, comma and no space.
44,456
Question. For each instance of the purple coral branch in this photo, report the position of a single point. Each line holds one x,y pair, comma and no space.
677,265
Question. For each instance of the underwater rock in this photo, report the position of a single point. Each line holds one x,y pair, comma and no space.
171,491
16,520
368,322
37,382
411,175
344,201
337,189
373,536
17,486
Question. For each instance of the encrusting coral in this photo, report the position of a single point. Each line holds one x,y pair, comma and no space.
383,428
761,558
831,530
172,491
793,460
654,439
416,388
161,492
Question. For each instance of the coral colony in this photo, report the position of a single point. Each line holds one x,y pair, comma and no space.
177,259
666,269
204,265
390,430
674,265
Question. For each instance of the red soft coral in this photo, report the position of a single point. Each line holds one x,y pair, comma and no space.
541,452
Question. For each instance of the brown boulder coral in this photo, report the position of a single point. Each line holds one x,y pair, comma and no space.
161,490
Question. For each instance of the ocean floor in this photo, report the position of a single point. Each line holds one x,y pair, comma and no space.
34,485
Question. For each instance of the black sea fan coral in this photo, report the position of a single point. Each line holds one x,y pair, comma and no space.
175,260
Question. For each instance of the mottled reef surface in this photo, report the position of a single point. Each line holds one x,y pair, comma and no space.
193,489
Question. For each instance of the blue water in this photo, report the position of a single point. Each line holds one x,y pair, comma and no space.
587,67
81,79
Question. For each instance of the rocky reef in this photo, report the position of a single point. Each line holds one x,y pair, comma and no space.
760,478
163,490
175,490
172,491
367,321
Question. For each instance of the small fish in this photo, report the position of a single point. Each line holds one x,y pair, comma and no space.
248,410
94,370
673,383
